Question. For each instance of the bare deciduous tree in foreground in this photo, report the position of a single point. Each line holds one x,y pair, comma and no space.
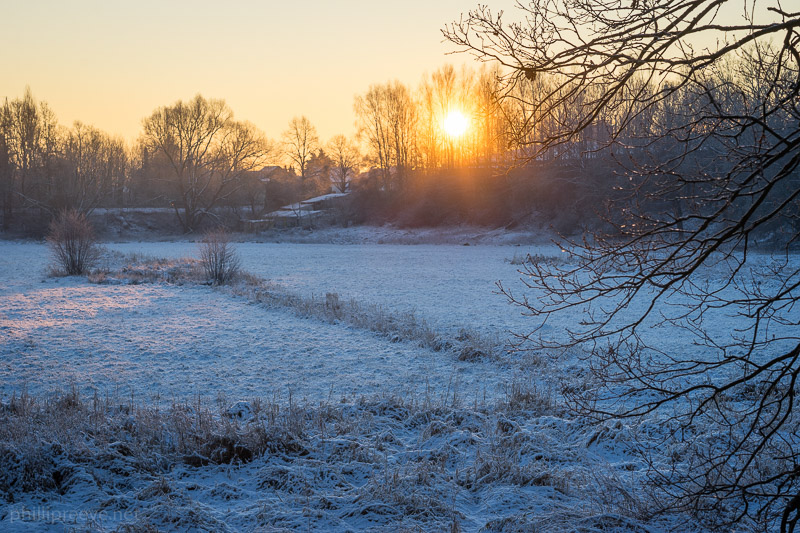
702,110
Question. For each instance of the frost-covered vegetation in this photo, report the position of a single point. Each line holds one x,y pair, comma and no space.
383,464
218,257
144,398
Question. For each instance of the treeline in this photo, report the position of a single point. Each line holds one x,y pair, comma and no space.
48,167
519,160
195,157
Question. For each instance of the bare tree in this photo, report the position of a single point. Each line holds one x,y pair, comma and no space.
387,117
494,141
93,169
30,137
402,119
54,168
701,110
205,151
6,180
300,142
371,112
346,158
438,96
473,94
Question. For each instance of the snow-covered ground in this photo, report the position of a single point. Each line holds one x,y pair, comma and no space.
453,287
175,343
450,286
395,436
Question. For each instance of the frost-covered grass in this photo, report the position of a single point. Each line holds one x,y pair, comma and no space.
453,288
381,464
523,259
450,287
335,388
404,326
155,331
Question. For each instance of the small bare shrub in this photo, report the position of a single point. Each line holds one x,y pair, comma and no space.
73,244
218,256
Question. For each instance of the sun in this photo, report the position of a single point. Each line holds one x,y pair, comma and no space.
455,124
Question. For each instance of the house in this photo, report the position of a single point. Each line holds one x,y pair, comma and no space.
308,212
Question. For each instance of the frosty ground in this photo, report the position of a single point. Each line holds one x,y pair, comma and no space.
174,406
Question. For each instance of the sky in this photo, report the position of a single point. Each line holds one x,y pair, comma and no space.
110,64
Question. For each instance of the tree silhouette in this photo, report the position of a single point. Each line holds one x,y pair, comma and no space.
702,112
300,141
205,153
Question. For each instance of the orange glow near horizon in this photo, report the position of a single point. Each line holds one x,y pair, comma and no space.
110,64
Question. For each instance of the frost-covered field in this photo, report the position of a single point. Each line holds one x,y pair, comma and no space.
174,343
182,406
451,286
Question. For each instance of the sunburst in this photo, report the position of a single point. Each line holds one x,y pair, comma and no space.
455,124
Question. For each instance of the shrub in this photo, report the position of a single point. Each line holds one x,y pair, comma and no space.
72,242
218,256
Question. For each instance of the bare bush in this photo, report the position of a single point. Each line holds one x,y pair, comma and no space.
73,244
218,256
